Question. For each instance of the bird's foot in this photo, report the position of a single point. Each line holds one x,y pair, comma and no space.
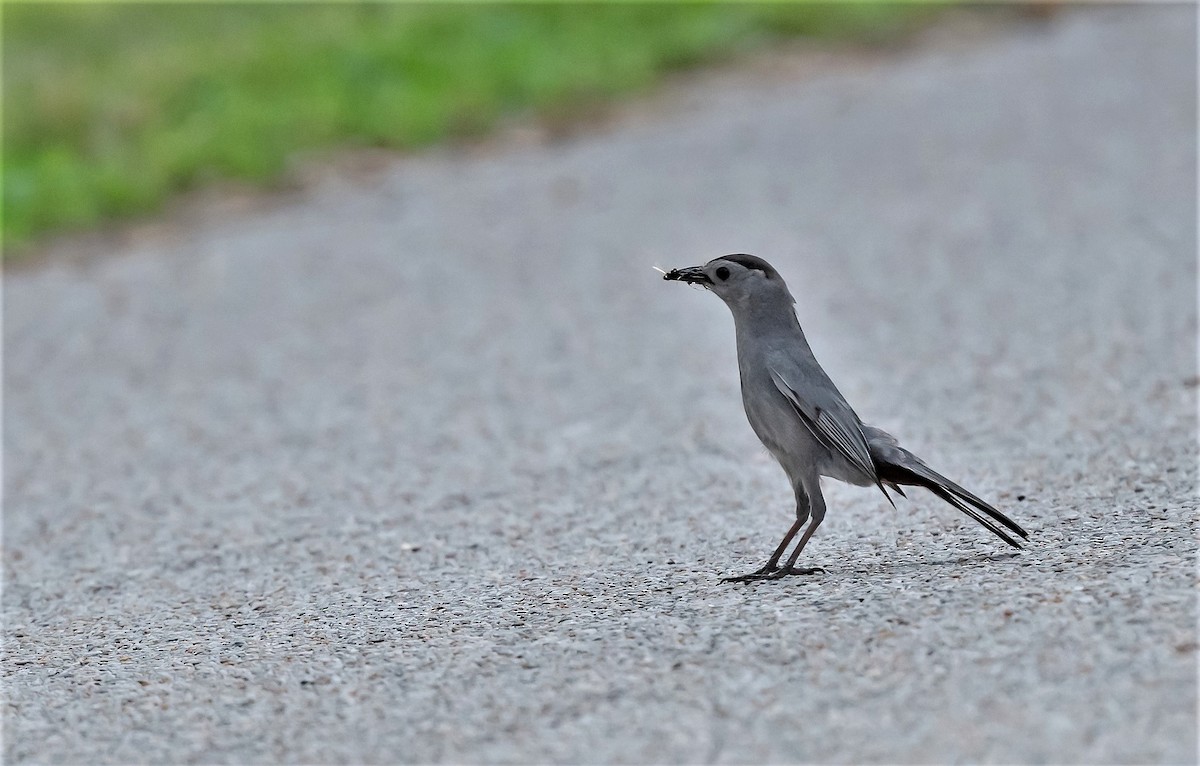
773,573
759,574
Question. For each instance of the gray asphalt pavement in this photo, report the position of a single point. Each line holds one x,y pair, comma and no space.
431,466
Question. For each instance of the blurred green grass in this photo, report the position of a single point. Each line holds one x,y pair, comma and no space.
111,108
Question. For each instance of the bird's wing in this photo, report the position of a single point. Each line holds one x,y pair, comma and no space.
832,421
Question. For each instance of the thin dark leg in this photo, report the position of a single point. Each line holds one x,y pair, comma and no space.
773,563
790,567
771,568
818,515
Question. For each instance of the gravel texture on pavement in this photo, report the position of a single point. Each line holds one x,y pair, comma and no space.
432,466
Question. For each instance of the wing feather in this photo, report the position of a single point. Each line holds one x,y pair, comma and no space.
839,432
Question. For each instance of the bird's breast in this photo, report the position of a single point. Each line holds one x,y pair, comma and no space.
774,420
786,436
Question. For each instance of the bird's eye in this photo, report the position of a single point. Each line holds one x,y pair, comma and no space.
722,273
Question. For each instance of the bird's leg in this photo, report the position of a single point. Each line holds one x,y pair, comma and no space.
790,567
818,515
772,566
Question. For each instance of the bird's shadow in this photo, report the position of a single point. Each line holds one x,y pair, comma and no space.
957,561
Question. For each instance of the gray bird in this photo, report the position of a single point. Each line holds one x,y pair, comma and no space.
800,416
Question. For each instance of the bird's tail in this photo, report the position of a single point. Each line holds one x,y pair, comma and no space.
899,466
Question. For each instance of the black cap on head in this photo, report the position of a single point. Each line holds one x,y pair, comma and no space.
751,262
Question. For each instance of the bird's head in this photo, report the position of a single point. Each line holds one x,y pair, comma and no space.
737,279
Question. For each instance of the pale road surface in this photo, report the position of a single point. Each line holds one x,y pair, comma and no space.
431,466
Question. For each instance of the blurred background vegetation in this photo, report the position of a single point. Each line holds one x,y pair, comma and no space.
110,108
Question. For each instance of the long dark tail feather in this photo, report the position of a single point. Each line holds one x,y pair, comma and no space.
916,473
990,525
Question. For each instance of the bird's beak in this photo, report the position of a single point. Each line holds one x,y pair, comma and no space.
693,275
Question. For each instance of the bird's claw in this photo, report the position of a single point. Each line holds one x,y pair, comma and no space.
773,573
758,574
